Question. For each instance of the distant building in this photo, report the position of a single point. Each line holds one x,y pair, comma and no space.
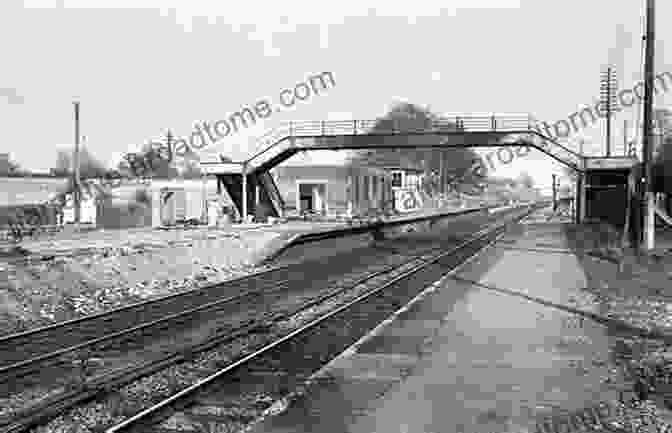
88,212
186,199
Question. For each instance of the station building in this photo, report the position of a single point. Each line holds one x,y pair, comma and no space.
329,183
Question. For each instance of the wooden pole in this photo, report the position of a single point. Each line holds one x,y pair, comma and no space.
647,190
244,207
76,180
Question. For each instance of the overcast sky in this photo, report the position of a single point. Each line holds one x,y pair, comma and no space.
140,67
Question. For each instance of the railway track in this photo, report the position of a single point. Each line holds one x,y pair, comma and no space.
272,281
101,330
229,398
48,343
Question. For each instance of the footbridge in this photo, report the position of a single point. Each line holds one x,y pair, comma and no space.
249,182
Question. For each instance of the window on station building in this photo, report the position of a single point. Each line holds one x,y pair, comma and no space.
397,178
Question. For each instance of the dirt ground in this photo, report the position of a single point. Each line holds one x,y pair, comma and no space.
47,281
636,288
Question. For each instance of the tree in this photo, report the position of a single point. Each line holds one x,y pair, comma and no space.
149,162
159,164
440,166
63,164
192,170
132,165
89,166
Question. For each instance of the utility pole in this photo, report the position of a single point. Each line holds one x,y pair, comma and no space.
76,181
608,91
647,133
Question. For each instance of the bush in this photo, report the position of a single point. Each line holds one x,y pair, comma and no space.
142,196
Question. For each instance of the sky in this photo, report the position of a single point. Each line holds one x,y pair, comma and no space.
141,67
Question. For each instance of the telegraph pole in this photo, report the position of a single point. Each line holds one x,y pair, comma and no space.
76,181
647,135
608,89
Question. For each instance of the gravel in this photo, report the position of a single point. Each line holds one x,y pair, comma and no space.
49,287
150,390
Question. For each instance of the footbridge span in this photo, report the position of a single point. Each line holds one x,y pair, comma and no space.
249,182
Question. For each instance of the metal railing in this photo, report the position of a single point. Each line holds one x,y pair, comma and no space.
275,142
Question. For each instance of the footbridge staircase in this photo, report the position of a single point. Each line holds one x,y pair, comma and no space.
250,183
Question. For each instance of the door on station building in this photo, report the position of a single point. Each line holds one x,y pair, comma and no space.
312,197
606,196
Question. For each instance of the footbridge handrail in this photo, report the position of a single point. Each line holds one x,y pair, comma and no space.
274,140
535,126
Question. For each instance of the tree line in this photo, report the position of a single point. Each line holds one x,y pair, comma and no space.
147,163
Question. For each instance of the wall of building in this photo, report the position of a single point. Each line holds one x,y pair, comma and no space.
369,190
195,195
286,178
350,189
88,214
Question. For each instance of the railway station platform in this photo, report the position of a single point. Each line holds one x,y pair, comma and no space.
484,350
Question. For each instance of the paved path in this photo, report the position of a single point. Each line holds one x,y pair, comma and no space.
465,358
